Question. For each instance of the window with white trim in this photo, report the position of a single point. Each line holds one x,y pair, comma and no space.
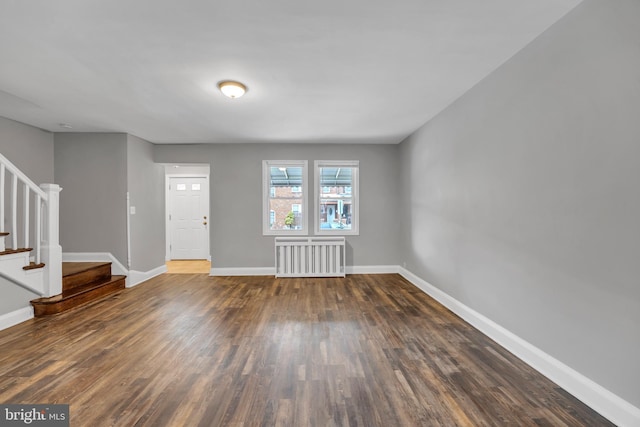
284,189
336,194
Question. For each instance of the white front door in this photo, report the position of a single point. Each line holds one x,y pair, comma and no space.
189,218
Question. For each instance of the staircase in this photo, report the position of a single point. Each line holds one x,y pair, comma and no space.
82,283
30,253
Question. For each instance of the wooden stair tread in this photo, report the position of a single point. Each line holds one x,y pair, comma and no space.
90,286
33,266
78,296
82,283
78,274
70,268
9,251
65,295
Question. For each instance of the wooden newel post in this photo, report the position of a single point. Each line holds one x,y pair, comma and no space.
51,249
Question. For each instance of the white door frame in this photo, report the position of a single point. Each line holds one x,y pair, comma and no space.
167,206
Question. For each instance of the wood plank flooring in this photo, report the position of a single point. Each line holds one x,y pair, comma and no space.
193,350
188,266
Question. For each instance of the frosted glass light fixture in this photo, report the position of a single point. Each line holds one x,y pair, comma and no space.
232,89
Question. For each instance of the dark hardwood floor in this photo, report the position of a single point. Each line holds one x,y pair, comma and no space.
193,350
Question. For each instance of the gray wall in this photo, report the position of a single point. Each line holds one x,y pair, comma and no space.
523,198
92,170
31,150
236,198
146,194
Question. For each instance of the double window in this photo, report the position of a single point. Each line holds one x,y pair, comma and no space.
285,199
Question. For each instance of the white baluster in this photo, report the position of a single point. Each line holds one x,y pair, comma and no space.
14,210
26,216
2,174
38,227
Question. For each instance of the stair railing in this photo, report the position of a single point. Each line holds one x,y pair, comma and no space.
17,193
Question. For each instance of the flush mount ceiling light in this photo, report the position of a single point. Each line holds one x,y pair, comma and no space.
232,89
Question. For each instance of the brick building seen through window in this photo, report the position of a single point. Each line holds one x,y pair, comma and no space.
286,202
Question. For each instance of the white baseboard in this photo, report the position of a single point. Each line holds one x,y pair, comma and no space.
17,316
116,266
609,405
371,269
271,271
243,271
137,277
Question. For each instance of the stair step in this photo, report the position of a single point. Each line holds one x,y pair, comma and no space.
9,251
82,283
33,266
76,274
78,295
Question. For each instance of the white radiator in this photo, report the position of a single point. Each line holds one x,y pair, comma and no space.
310,256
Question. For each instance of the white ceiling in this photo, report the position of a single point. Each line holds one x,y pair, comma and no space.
364,71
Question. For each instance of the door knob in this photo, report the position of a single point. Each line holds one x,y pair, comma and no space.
205,223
